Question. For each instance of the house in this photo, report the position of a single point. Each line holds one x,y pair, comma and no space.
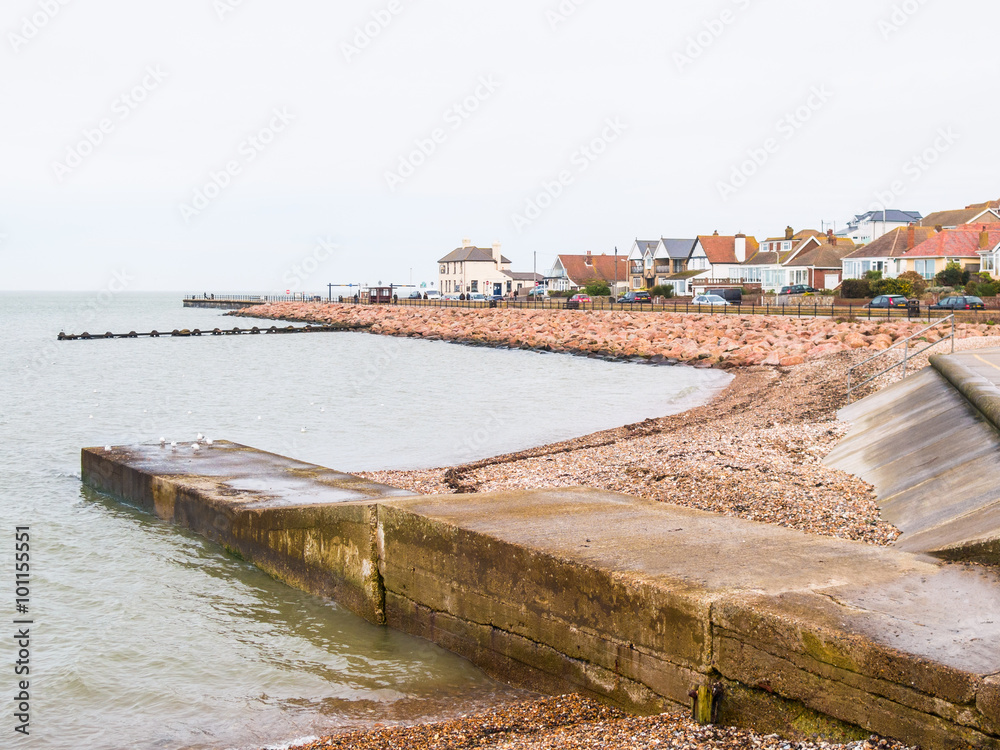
472,270
962,245
662,262
573,272
519,282
990,260
868,227
641,272
819,262
775,264
977,213
715,259
885,253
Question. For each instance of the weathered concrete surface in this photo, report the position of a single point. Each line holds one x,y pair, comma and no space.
635,601
304,524
642,601
930,446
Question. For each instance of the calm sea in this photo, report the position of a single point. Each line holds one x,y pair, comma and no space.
145,636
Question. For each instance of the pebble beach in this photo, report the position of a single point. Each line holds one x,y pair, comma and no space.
755,452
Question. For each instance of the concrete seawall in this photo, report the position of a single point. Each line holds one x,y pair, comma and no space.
634,601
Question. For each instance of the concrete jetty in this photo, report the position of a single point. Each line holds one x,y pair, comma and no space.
640,603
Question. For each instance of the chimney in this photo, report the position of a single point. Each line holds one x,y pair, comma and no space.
466,242
984,239
741,247
715,233
911,237
497,257
789,233
589,260
830,238
938,228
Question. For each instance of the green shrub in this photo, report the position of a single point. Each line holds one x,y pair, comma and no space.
598,289
953,275
917,282
664,290
891,286
873,275
855,289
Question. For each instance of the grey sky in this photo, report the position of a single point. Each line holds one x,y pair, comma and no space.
483,112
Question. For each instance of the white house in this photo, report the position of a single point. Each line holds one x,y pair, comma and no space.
868,227
471,270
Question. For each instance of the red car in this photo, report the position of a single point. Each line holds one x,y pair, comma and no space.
580,298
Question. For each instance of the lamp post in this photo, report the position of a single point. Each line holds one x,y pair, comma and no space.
615,290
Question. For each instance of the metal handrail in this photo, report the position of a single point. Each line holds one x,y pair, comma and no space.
905,343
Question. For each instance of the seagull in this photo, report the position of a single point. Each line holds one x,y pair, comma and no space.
259,418
173,445
163,442
107,448
322,408
303,429
195,447
208,442
200,437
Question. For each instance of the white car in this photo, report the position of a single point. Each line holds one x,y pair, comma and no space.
709,299
433,294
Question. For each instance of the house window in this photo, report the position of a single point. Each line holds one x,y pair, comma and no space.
925,268
475,286
786,245
678,266
636,282
444,268
989,263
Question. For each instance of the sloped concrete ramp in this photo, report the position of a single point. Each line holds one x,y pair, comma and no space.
930,445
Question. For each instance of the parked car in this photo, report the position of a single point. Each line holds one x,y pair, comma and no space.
888,300
476,297
709,299
635,297
410,294
433,294
451,296
732,296
495,298
959,302
798,289
537,291
580,298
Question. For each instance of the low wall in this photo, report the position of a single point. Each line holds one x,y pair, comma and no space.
634,601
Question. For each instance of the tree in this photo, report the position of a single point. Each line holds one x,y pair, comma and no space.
664,290
953,275
917,282
873,275
598,289
855,289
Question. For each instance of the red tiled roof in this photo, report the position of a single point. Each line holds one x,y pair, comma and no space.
600,268
962,242
721,249
893,243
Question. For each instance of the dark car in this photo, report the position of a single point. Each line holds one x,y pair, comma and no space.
638,297
959,302
888,300
798,289
732,296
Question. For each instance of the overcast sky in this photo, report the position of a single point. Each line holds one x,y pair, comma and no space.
222,145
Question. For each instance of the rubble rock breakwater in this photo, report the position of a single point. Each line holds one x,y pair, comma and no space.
718,340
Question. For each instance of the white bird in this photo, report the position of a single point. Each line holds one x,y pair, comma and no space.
200,437
322,408
107,448
303,429
259,418
173,445
163,441
208,442
195,447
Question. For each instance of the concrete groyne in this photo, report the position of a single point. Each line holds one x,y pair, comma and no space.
638,602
